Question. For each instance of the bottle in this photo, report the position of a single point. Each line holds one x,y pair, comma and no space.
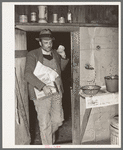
69,16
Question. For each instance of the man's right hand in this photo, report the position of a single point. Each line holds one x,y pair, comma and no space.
47,90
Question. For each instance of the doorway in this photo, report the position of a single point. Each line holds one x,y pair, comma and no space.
64,134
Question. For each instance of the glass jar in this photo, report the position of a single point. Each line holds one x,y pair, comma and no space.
33,17
23,18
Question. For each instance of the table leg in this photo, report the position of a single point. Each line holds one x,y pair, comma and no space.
85,121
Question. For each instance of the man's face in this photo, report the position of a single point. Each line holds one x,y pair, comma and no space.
46,44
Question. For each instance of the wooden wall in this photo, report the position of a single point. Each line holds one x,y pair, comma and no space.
25,10
95,14
22,135
80,13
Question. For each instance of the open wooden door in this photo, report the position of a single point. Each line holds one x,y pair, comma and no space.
22,134
75,75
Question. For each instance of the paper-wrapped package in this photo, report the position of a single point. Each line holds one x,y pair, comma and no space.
47,76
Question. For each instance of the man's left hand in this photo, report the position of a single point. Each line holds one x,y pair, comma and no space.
61,51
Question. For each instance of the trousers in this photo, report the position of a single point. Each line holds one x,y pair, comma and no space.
50,116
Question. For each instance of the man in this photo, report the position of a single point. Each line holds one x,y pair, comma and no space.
49,110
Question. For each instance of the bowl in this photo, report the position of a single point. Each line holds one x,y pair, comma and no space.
91,89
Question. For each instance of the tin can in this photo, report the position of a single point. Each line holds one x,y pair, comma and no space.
23,18
33,16
55,18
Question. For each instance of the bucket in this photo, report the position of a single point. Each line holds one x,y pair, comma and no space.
111,83
114,131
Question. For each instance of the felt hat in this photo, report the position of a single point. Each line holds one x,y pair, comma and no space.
45,34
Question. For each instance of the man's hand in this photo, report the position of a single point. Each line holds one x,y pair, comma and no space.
47,90
61,51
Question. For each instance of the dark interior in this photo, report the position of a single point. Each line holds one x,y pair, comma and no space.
62,38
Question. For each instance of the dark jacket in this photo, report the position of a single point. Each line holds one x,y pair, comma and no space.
32,58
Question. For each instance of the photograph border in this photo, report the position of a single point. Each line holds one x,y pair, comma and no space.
7,53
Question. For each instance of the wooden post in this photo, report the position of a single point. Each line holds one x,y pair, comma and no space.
75,92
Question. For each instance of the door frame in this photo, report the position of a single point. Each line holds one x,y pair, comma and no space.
75,75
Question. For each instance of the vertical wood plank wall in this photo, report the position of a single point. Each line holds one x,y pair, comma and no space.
80,13
22,135
76,79
94,13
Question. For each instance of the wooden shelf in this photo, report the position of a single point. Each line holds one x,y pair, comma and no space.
66,27
101,99
53,26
